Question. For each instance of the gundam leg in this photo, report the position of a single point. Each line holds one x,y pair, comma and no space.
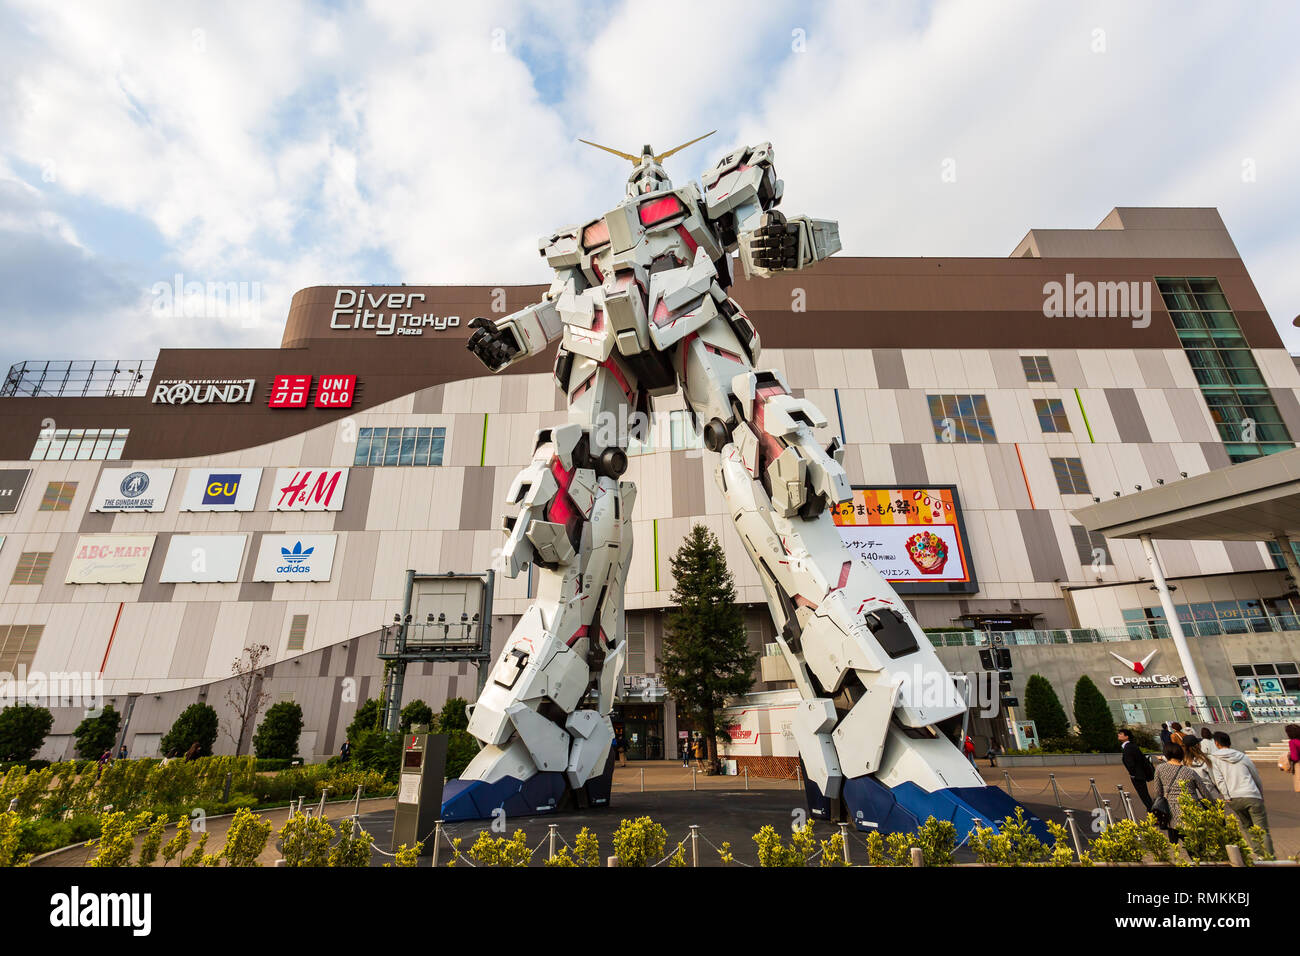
544,715
872,687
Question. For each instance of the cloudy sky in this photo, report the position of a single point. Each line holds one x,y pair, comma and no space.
292,144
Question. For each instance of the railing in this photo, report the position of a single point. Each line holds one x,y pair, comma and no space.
1126,632
1258,709
421,636
99,378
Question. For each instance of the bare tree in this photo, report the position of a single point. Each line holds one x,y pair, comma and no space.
245,696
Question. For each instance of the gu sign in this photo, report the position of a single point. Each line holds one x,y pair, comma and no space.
309,489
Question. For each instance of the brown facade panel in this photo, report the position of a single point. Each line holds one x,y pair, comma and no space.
1042,546
1127,413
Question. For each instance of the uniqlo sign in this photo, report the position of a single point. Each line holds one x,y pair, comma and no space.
290,391
309,489
335,391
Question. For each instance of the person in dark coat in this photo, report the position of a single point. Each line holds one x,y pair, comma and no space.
1165,735
1138,766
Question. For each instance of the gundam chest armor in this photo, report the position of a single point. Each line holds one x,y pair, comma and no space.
640,307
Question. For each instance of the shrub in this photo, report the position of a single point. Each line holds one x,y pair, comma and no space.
453,715
175,847
96,734
277,735
1207,830
197,723
353,848
246,839
10,839
1043,707
305,841
1013,844
116,841
639,842
937,840
1096,725
406,855
152,842
378,751
416,712
367,718
23,730
772,852
41,836
489,851
586,848
1130,841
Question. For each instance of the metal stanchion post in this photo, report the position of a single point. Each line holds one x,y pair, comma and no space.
695,772
356,806
550,840
746,778
918,856
695,845
1092,782
1056,791
1128,804
1007,777
437,841
320,812
798,777
1110,820
300,800
844,837
1074,832
643,779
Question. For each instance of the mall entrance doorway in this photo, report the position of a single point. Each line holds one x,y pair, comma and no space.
641,727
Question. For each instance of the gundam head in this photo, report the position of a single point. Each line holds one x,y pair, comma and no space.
648,176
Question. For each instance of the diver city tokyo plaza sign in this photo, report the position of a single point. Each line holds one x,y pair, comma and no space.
386,313
133,489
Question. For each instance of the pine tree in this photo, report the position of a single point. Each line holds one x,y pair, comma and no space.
1043,707
1096,725
705,658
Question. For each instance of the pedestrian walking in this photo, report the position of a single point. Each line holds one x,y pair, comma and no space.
968,747
1175,731
1164,735
1238,780
1139,768
1172,779
193,752
992,753
121,752
1199,764
345,752
1288,760
685,747
1207,742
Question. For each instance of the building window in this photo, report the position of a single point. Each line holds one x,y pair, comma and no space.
297,632
1268,679
399,446
80,444
682,433
961,418
58,496
1275,552
1070,479
1240,403
1037,368
31,569
18,643
634,628
1051,415
1088,543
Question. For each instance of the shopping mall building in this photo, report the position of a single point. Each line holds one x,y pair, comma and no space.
158,517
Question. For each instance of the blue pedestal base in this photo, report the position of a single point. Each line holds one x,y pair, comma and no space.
544,792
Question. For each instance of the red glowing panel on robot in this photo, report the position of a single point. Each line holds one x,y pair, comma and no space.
659,209
597,234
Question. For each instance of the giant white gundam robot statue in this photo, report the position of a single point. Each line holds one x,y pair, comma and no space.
640,306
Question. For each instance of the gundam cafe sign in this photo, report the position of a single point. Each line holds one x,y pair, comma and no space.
386,313
914,537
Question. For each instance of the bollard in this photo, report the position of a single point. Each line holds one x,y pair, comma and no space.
1234,855
611,861
1074,832
1055,790
1110,820
437,841
280,863
225,790
918,856
1007,777
643,779
1128,804
300,800
798,776
1092,782
746,778
356,806
844,836
320,811
695,772
550,840
695,845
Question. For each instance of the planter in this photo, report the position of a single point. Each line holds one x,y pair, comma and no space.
1058,760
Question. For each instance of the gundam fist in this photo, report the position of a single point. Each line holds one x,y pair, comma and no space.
775,244
494,345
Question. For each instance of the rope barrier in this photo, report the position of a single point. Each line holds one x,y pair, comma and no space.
679,846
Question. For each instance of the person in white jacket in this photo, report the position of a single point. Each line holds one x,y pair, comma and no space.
1238,780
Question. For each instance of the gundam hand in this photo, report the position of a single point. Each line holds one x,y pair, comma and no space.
774,245
494,345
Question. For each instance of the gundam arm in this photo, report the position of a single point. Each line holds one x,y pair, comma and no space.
501,343
741,194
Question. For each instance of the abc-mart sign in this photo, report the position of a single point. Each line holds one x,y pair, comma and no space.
133,489
204,391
